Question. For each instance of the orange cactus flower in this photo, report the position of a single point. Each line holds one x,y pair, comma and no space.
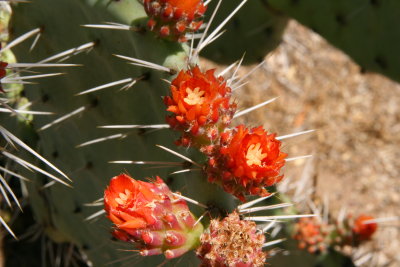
247,161
200,103
174,18
151,216
363,231
124,193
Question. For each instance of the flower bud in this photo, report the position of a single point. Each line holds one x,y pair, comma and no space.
312,234
362,229
151,216
232,242
3,72
174,18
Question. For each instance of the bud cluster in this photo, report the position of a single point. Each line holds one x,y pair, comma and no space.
316,236
312,234
172,19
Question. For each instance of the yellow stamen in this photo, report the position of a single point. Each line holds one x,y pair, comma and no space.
194,97
254,155
123,197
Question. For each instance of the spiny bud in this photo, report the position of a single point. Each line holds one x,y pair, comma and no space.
316,235
312,234
246,161
232,242
151,216
172,19
201,107
355,231
362,229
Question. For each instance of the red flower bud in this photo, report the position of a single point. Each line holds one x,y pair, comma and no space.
363,231
312,234
150,215
3,72
179,16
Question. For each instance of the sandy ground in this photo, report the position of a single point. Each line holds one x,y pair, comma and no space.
356,115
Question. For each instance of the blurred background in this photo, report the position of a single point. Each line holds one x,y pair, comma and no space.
356,115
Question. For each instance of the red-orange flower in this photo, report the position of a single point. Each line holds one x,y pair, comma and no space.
3,72
150,215
363,231
174,18
200,103
247,161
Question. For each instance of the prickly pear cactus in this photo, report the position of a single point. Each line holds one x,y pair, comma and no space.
60,209
362,29
234,163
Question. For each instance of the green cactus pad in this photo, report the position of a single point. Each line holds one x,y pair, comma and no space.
60,209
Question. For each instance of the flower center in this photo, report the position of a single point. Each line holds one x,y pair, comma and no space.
194,97
254,155
121,200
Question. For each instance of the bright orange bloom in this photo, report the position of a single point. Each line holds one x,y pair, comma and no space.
364,231
174,18
200,103
247,161
150,215
125,193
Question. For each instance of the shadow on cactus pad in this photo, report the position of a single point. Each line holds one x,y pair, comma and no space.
365,30
256,29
